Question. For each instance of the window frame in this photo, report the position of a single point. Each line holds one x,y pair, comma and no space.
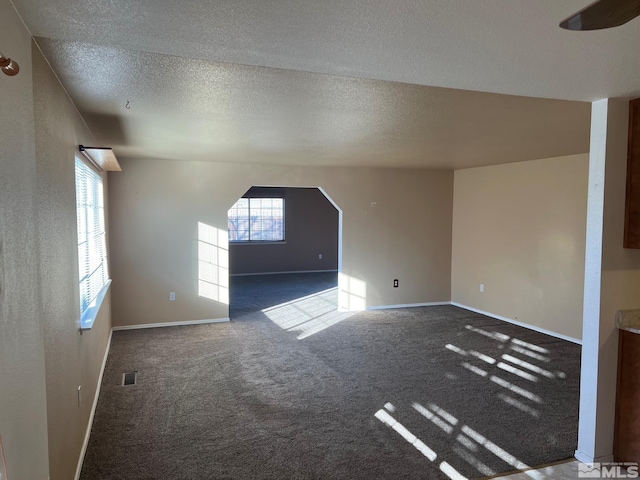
259,242
92,231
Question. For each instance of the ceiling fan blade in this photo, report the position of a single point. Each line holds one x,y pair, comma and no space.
603,14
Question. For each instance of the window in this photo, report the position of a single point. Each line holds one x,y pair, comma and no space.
257,220
92,248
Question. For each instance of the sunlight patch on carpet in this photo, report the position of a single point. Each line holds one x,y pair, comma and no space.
308,315
466,437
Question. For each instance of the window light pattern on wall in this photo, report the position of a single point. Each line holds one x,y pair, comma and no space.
92,248
352,293
257,220
213,263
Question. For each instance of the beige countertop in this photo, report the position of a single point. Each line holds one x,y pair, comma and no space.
628,320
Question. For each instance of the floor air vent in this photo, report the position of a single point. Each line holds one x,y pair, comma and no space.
129,378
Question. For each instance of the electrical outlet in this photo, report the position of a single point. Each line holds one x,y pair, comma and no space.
482,288
319,256
395,283
172,296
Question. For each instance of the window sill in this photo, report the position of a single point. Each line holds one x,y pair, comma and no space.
91,313
258,242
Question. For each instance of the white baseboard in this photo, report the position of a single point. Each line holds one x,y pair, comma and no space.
584,458
520,324
281,273
170,324
408,305
85,444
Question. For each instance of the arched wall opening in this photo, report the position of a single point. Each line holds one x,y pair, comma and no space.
285,248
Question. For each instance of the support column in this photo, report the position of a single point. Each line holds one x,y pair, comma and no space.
612,278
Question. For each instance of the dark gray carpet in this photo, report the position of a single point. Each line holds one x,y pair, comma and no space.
251,293
247,399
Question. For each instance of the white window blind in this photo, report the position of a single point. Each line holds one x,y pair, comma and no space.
92,248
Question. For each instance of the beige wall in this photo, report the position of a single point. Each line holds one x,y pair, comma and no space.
519,229
71,359
311,228
397,224
43,357
23,420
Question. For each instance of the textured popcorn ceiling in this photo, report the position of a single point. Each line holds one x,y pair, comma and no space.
190,98
503,46
200,110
